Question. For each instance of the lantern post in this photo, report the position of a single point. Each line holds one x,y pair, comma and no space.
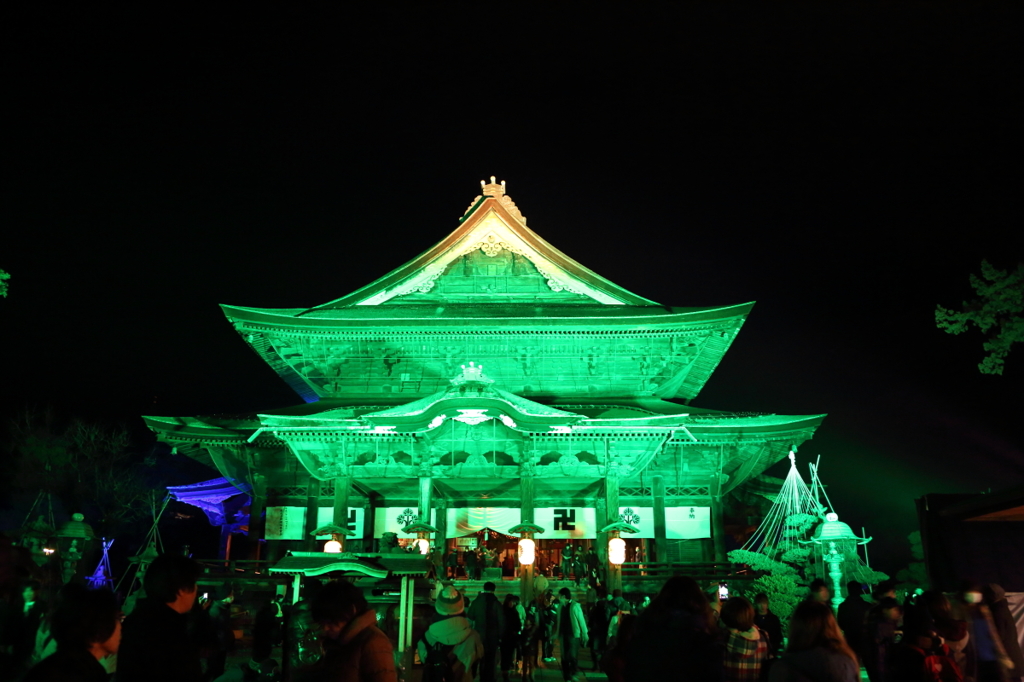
527,557
336,545
616,552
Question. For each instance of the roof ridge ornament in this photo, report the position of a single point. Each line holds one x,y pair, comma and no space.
492,189
474,374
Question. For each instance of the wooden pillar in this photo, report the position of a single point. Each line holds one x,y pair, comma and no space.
601,513
312,511
369,522
718,528
441,541
342,487
660,544
426,490
257,524
611,500
526,573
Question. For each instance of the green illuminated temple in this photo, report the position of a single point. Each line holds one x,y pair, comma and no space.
493,381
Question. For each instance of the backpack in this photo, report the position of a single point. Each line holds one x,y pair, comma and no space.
440,663
939,665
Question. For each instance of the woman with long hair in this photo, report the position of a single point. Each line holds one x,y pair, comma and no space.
816,650
676,637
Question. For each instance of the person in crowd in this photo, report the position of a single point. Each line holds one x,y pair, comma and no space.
597,621
222,632
513,627
816,649
746,646
528,640
884,590
470,560
921,653
87,628
642,605
852,616
540,586
354,649
769,624
952,631
44,644
676,638
579,568
568,559
985,657
267,631
156,646
994,597
452,639
26,618
614,661
508,566
880,634
819,592
572,632
488,619
548,625
451,564
301,642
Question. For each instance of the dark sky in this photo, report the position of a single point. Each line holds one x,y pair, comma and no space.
846,167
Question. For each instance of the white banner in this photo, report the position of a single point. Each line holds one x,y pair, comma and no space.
471,519
681,523
641,517
394,519
566,523
687,523
287,523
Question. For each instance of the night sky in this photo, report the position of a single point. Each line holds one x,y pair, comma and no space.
846,167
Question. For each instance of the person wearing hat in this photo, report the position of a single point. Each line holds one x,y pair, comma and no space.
453,631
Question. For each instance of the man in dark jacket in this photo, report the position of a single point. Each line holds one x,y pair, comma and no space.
769,622
853,617
469,558
155,646
222,632
354,647
87,627
488,619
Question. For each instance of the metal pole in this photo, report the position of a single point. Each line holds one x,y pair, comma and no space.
864,534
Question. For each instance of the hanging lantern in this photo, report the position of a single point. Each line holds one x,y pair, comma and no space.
424,545
616,545
617,551
332,547
527,551
527,548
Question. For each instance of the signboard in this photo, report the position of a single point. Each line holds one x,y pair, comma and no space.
394,519
288,523
467,543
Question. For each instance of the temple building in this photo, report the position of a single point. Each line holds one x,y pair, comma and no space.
492,381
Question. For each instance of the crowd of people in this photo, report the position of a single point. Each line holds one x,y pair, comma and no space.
683,633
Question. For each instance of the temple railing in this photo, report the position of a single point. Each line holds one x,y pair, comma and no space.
701,572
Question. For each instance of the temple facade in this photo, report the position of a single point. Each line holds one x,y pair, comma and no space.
489,382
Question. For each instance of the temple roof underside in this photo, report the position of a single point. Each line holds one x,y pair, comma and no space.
476,441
